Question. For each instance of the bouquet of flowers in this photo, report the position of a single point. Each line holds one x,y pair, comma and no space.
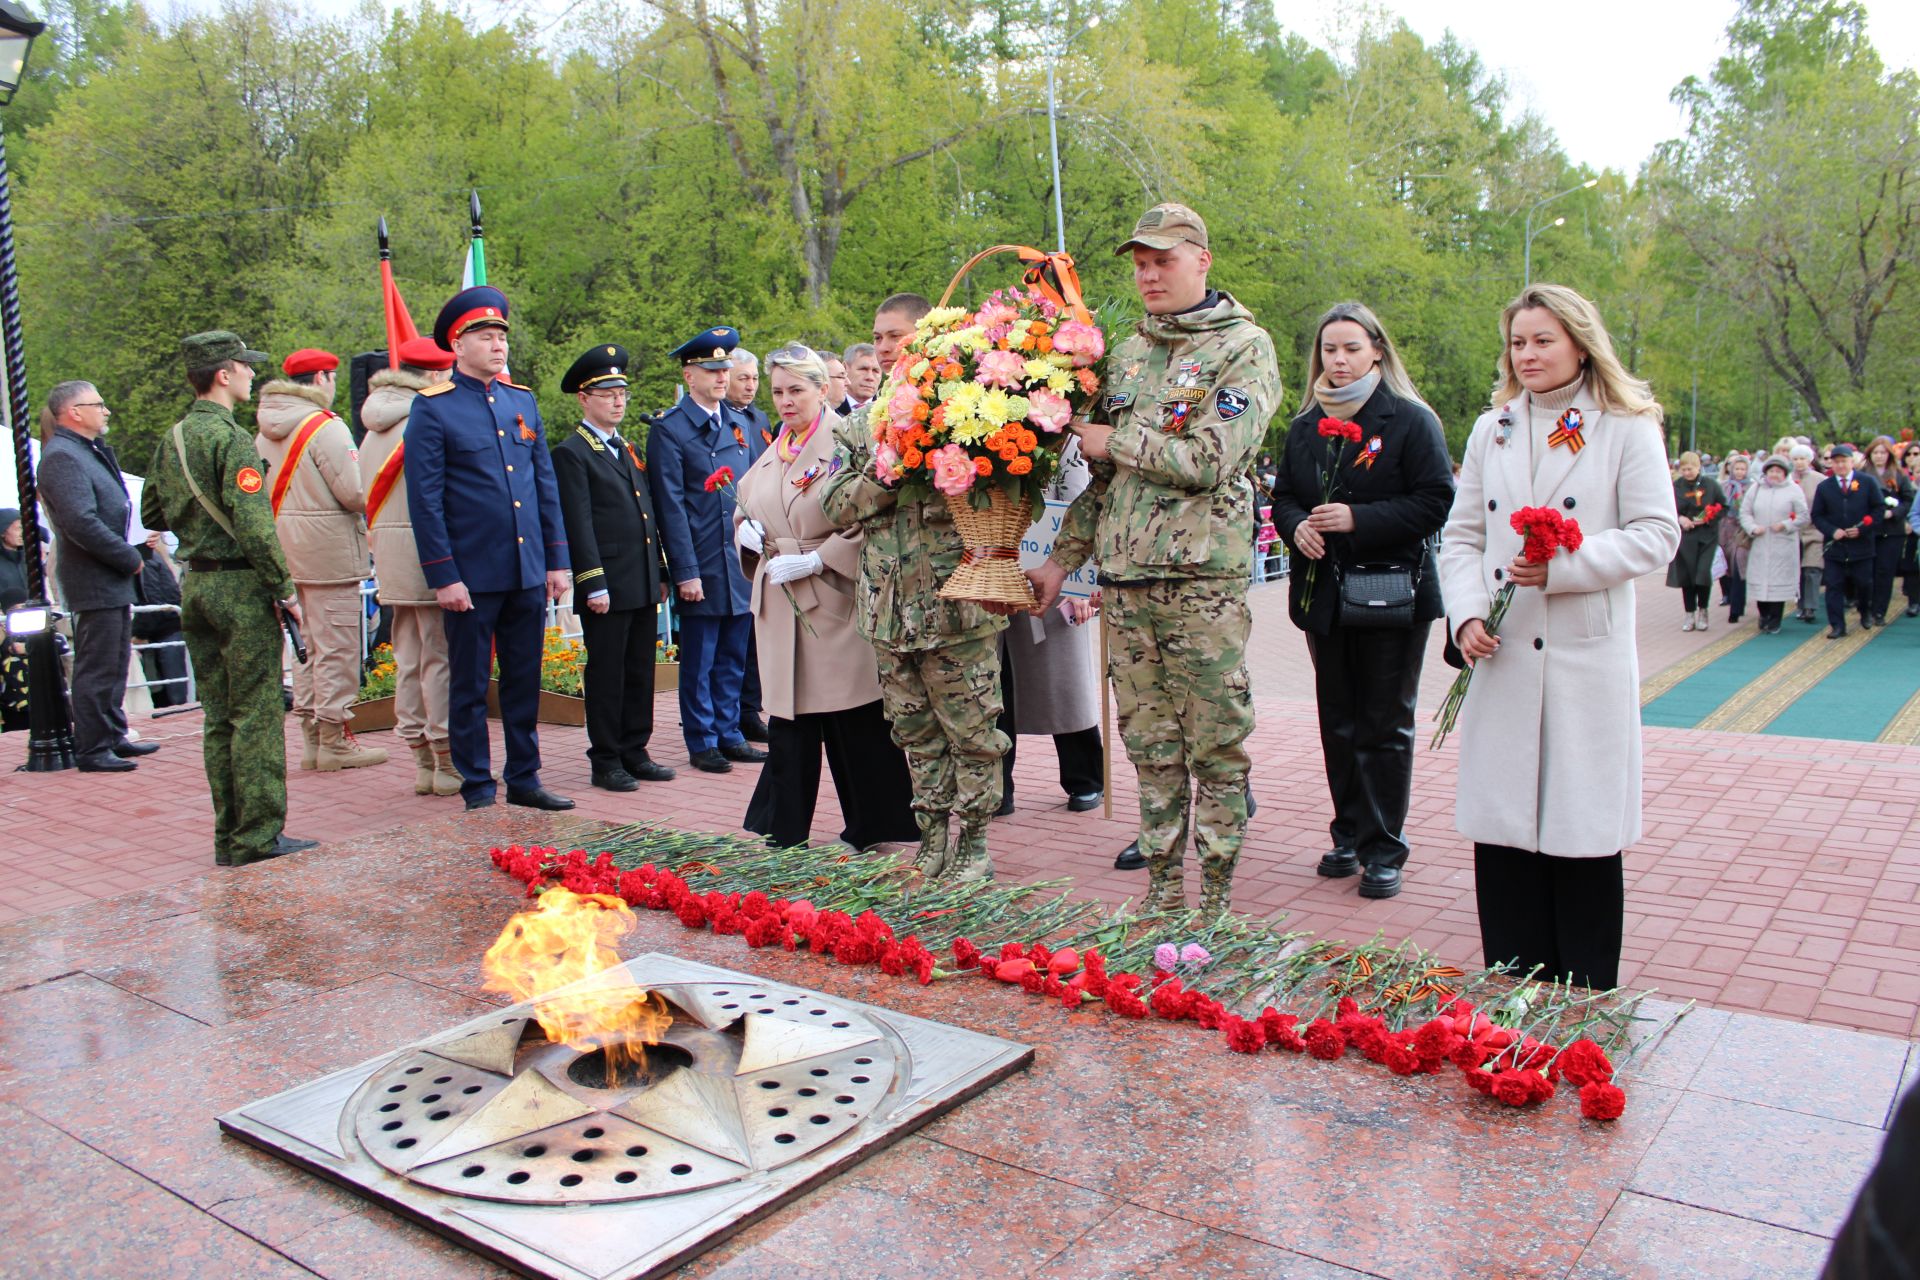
976,409
1336,432
1546,532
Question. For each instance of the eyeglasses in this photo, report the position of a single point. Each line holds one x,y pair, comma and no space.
89,404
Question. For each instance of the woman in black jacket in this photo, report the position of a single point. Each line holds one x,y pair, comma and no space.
1391,490
1884,467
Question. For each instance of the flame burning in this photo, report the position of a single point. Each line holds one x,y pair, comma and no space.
569,937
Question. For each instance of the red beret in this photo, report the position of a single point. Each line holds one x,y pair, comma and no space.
424,353
311,360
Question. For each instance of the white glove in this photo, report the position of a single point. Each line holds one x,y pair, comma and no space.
750,536
789,568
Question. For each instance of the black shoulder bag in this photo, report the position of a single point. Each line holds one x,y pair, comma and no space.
1378,595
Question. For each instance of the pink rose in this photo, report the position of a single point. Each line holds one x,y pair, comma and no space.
1081,341
952,469
886,462
1001,369
995,315
1048,410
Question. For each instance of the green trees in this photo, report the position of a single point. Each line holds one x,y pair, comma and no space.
652,166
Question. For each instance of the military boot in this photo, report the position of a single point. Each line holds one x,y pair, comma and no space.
422,769
933,856
1216,897
446,778
1166,891
338,750
971,860
310,751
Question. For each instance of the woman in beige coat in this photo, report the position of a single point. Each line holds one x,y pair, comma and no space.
819,680
1549,782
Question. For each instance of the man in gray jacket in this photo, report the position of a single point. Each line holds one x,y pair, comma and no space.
87,503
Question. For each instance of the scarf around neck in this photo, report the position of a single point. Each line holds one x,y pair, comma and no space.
1344,402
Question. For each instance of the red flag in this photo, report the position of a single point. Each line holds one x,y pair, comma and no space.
399,319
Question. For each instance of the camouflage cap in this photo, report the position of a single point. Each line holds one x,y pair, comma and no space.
214,348
1166,225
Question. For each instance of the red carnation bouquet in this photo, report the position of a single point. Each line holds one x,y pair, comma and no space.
1712,513
1337,432
1545,532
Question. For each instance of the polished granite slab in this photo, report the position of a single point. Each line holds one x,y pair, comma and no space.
1128,1149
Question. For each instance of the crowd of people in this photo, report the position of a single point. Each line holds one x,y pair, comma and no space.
805,583
1829,531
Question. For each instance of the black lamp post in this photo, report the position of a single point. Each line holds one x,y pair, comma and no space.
50,735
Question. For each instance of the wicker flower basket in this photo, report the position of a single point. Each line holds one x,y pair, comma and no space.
989,572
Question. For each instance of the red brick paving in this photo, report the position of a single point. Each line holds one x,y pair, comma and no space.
1769,878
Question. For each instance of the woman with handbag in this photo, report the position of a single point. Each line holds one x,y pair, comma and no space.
1549,781
1700,502
1358,514
818,676
1772,512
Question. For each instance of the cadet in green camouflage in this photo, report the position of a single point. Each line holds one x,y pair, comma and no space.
939,659
236,573
1168,519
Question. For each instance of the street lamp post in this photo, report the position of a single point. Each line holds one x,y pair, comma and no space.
49,734
1053,132
1526,277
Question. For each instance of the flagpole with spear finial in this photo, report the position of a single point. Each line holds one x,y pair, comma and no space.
399,320
476,272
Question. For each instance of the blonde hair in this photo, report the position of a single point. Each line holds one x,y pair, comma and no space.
1613,388
800,360
1392,372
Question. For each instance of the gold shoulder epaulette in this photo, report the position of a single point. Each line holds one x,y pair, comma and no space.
516,386
437,388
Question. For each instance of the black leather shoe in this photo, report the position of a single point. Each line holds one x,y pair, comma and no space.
615,780
250,859
1379,882
1253,806
1336,864
710,761
1913,611
537,798
126,748
1006,803
105,762
284,844
1130,859
753,728
1834,633
480,802
1084,801
647,770
1867,624
743,753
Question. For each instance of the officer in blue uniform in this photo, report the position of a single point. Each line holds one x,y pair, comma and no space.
487,521
688,444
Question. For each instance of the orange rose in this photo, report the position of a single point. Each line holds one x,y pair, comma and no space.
1088,382
921,412
910,457
1036,327
1007,452
950,371
1027,440
983,466
938,420
1020,466
1043,344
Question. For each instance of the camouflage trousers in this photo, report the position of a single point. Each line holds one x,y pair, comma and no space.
233,636
943,704
1177,659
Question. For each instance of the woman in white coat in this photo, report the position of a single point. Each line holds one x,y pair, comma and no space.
1773,512
1549,781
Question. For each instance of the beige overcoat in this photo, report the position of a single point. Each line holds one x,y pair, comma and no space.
1549,736
319,521
396,560
830,667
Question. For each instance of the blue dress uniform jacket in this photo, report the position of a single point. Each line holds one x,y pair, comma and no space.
683,449
480,487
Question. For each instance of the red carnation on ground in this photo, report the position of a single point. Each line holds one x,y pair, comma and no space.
1582,1063
1602,1101
965,954
1512,1088
1324,1040
1244,1036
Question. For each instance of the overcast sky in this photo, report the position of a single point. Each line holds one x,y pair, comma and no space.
1600,73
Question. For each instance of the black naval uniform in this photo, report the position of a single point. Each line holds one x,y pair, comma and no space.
616,551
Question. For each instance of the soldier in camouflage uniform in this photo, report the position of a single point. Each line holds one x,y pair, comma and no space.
939,659
1169,521
207,485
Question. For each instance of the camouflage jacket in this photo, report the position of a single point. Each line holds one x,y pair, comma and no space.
1189,399
910,549
227,467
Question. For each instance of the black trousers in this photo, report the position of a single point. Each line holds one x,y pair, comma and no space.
1771,611
869,773
1563,914
168,663
1880,1240
1365,680
510,625
1082,766
102,646
1886,566
750,704
619,685
1910,568
1695,598
1734,587
1848,581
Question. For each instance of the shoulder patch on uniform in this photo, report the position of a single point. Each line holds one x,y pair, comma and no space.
438,388
516,386
248,480
1119,400
1230,403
